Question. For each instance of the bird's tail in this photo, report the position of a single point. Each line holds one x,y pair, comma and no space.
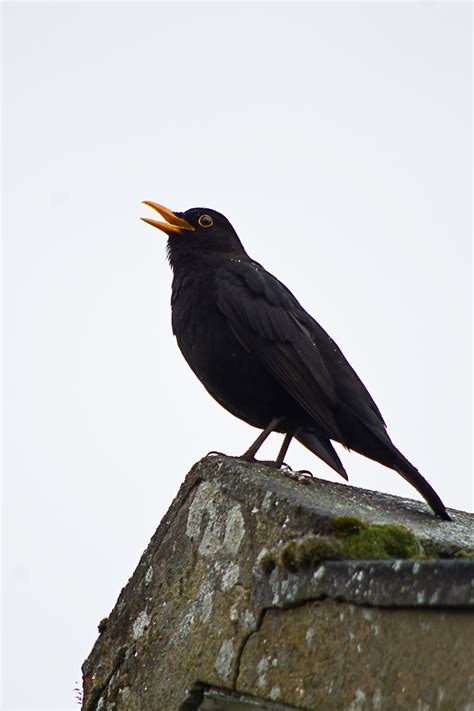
413,477
322,447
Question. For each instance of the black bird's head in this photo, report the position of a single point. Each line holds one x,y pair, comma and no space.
196,232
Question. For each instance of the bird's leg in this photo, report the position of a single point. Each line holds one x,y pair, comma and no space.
283,450
297,476
249,455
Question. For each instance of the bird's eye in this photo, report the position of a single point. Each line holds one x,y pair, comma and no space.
206,221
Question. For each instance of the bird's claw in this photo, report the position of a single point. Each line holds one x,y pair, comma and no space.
306,473
303,476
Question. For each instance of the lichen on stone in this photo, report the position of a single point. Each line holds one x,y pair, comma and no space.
140,624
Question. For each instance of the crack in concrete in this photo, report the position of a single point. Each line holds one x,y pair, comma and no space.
97,693
243,644
260,619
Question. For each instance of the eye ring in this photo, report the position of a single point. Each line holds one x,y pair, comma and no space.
206,221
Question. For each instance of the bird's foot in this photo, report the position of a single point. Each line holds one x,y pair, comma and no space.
303,476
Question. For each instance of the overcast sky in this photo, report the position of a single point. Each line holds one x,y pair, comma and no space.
337,140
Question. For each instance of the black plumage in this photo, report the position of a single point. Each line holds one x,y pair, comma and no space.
262,356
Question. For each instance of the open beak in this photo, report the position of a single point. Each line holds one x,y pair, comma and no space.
174,224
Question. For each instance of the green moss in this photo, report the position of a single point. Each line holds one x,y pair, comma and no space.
348,525
466,554
102,624
304,552
267,562
361,541
437,550
353,539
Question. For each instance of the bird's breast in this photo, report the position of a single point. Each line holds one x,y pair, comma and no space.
201,330
232,375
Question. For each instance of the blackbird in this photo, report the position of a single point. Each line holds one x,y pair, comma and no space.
262,356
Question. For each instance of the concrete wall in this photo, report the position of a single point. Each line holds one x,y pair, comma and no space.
250,596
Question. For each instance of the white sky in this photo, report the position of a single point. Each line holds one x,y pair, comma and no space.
337,139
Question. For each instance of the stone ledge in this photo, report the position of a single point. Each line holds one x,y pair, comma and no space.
200,613
399,583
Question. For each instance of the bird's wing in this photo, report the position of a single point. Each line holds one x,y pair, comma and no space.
266,319
350,388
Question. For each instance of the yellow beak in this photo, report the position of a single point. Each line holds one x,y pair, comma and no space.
174,224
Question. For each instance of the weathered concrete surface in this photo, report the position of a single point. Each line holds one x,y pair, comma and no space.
200,612
324,655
